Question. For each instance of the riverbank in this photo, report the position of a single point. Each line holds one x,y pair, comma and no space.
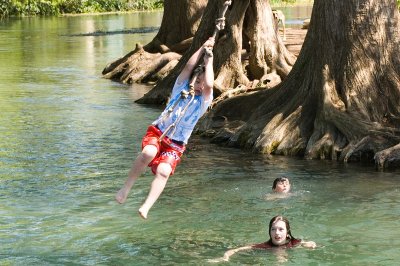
294,39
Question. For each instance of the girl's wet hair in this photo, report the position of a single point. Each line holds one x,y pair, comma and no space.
278,180
285,220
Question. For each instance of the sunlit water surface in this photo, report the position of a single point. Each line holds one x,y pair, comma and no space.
68,138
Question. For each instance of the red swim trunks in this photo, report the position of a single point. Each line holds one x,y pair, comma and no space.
168,151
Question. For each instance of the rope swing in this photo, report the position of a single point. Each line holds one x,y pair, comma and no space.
219,25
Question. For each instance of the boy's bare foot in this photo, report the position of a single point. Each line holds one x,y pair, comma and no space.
121,195
143,212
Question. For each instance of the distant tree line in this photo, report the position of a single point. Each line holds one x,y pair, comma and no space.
56,7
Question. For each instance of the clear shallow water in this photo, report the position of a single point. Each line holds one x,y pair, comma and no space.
295,16
68,137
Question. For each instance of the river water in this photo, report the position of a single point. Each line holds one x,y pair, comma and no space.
68,138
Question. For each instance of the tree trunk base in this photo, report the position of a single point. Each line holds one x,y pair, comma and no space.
141,66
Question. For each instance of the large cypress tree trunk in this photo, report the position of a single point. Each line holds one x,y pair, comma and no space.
268,59
341,100
178,26
249,24
156,59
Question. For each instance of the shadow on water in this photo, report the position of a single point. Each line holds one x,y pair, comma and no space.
127,31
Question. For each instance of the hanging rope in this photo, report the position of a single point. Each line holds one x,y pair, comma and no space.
219,25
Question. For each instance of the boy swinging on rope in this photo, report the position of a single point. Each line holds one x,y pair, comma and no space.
165,140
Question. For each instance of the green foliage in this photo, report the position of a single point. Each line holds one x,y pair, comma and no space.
144,4
9,7
160,4
27,8
54,7
46,8
71,6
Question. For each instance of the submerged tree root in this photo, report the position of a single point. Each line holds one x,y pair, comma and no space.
389,158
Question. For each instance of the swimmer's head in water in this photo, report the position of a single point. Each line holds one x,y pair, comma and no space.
279,230
281,184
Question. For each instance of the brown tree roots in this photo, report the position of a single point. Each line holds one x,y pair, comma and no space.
299,127
141,66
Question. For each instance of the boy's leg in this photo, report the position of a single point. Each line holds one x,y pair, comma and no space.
144,158
157,186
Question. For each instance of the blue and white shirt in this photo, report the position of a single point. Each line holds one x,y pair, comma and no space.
185,127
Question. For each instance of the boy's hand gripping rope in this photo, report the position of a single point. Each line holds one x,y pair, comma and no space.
219,25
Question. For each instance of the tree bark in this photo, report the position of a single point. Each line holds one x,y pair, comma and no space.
157,58
341,101
179,24
249,24
269,59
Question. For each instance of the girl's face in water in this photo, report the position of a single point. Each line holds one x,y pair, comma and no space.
278,233
282,186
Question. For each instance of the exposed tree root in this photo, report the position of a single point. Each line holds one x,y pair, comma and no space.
337,103
268,59
241,89
341,100
141,66
389,158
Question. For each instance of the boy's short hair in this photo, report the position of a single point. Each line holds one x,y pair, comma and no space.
198,70
278,180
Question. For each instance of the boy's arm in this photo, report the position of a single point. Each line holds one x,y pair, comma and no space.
208,76
194,59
